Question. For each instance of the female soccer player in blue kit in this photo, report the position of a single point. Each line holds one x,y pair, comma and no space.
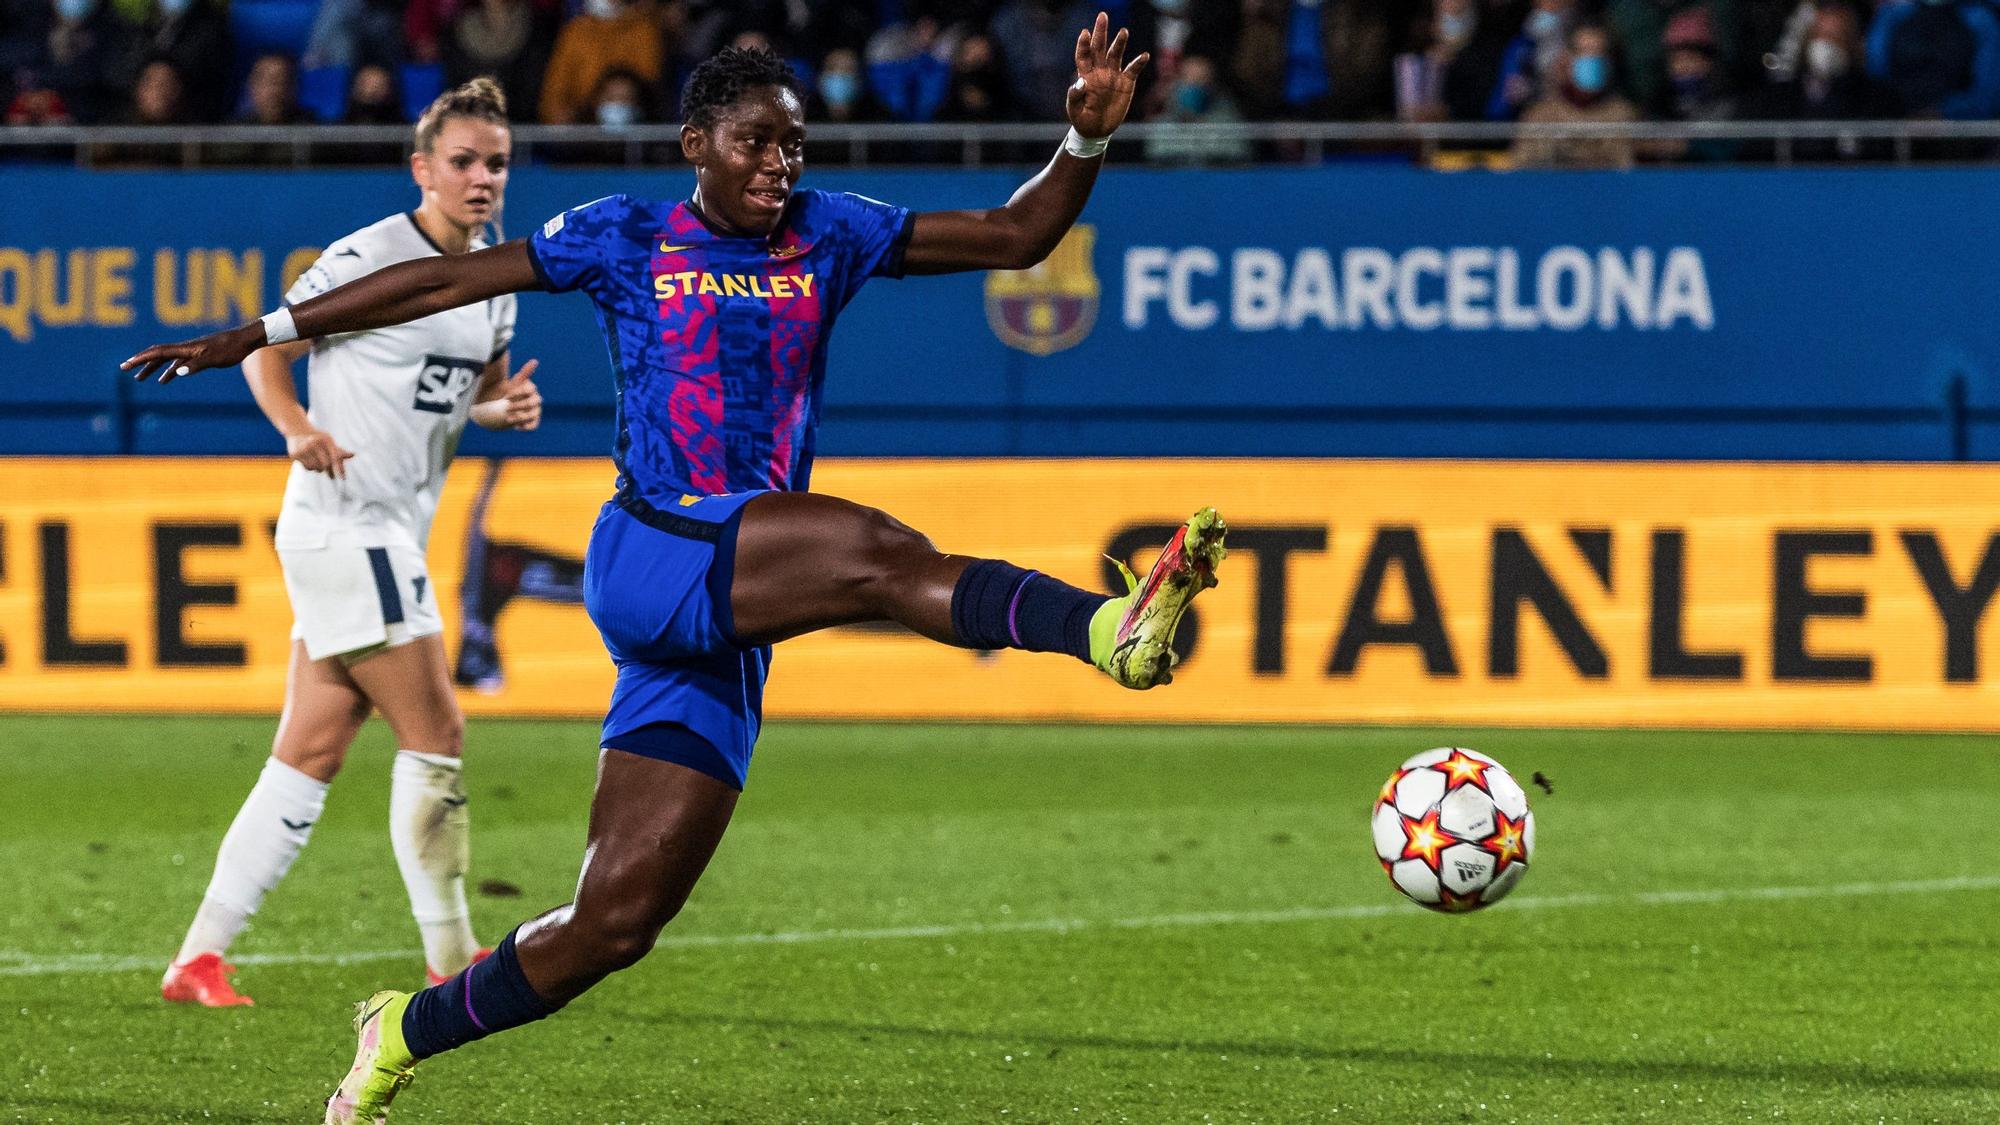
716,311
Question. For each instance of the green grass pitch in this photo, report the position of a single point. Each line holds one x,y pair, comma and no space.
1043,924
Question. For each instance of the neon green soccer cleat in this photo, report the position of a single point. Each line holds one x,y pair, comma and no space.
381,1063
1132,638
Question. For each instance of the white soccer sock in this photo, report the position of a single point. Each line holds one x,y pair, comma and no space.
432,835
273,824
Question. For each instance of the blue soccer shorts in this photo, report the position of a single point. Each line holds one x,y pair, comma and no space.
656,582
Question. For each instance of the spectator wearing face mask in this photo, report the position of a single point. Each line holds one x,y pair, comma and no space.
620,100
1830,85
1537,50
1197,97
1941,58
839,97
608,35
1586,92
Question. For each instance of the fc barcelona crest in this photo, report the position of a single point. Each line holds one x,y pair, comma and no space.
1049,307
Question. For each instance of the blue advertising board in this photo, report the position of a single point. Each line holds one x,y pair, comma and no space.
1327,311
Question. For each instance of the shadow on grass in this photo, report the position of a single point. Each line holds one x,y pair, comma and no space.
1819,1074
94,1108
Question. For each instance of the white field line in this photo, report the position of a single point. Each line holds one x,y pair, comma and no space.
19,964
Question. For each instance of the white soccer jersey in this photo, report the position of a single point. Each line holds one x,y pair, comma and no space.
397,398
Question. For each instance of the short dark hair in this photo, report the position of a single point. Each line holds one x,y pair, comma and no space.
726,77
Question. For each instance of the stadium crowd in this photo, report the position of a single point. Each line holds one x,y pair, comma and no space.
619,62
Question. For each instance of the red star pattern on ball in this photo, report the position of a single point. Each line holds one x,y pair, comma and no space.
1423,839
1456,903
1508,842
1463,769
1388,796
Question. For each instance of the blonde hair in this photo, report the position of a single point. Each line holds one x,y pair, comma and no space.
481,98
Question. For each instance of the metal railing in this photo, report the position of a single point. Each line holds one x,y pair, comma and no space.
1781,142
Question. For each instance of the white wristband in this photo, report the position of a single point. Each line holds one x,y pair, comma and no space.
1082,147
279,328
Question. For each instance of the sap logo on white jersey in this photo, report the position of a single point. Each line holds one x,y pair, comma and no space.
1422,288
443,381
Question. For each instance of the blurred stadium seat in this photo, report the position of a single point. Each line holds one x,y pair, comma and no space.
257,26
421,84
323,91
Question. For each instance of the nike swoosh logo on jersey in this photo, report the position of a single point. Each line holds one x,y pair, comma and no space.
347,253
666,249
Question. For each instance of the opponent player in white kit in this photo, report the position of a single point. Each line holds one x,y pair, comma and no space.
388,407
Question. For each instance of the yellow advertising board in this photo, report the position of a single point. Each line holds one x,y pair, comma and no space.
1511,593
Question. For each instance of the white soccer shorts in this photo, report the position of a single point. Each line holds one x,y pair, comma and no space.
348,599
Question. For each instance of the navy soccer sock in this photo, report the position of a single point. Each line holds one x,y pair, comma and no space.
491,996
999,605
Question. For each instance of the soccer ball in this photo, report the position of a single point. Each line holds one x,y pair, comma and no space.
1453,830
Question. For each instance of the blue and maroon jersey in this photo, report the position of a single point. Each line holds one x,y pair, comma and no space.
718,343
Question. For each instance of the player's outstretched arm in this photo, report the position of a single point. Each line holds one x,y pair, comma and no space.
1024,230
396,294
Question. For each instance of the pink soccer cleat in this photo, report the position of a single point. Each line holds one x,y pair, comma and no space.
204,980
1132,637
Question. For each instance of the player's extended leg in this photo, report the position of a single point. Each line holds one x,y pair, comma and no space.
429,825
806,561
653,827
323,712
